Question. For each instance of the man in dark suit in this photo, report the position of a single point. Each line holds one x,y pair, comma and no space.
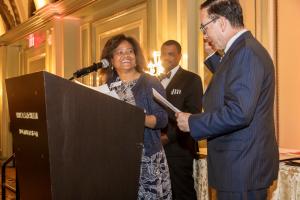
184,91
238,117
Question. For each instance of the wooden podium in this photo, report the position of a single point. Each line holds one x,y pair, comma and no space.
72,142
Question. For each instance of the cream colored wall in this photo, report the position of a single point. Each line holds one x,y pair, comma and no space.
3,104
289,73
2,26
71,44
8,68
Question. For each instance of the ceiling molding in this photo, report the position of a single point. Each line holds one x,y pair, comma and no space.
15,11
7,17
48,13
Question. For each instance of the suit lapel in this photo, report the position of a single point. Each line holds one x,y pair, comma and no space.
235,44
174,80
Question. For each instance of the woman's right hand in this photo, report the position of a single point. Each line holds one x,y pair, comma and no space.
150,121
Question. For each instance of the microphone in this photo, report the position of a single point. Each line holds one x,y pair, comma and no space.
94,67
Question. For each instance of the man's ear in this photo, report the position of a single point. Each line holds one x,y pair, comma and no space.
223,23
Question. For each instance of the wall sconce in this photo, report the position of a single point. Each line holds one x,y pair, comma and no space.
155,68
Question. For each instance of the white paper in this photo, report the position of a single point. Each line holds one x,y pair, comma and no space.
164,101
104,89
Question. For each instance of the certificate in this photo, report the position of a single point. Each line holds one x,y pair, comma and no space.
164,101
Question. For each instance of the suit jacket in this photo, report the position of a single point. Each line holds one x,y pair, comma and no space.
185,92
238,118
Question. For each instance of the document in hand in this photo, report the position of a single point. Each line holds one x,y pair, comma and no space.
164,101
102,88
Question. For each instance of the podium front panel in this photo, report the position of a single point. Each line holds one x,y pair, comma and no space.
88,146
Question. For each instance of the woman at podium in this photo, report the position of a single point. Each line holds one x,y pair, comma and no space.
127,78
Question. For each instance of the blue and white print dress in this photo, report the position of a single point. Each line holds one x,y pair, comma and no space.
154,183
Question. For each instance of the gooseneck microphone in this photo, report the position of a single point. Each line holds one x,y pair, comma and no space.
94,67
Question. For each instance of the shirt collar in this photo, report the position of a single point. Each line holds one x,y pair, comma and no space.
173,71
233,38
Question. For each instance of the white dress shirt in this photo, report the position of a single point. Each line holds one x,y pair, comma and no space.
167,80
231,41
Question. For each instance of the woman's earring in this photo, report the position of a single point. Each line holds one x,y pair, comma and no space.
112,67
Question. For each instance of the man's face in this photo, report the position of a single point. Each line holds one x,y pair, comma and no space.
211,29
170,57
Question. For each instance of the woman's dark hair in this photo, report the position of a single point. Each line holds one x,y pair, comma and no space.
113,43
230,9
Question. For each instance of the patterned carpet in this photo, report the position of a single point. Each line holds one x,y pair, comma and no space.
10,180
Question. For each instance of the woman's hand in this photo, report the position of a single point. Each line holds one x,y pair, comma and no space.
150,121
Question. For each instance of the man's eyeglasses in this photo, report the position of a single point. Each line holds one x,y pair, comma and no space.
203,26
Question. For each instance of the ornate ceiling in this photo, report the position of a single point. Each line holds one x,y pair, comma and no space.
14,12
9,14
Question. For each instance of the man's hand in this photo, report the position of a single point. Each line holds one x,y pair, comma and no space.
183,121
164,138
209,47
